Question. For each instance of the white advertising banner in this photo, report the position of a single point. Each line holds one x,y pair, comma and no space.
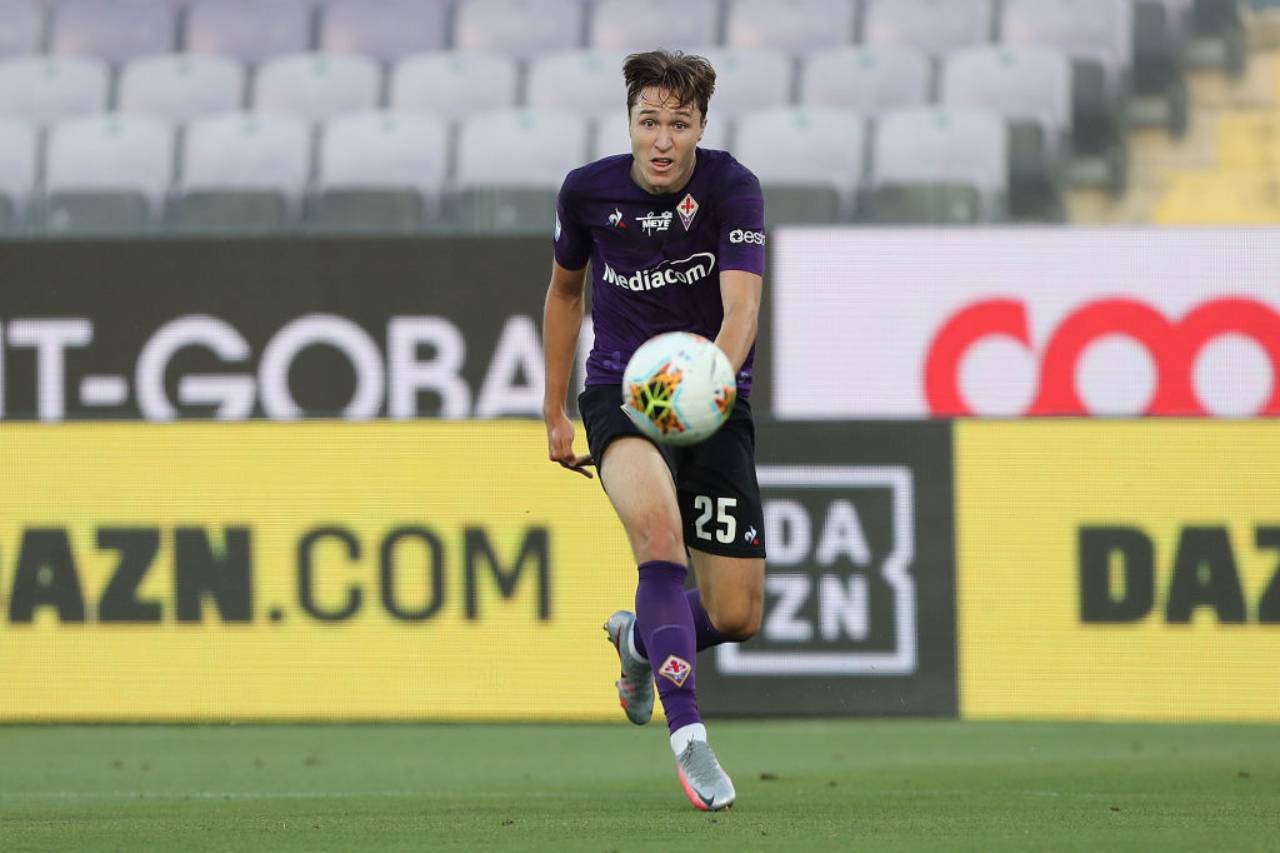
914,323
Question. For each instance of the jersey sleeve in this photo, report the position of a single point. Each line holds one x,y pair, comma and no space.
741,224
572,240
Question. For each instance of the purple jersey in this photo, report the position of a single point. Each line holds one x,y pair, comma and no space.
656,259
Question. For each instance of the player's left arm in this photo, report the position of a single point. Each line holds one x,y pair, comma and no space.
740,294
740,216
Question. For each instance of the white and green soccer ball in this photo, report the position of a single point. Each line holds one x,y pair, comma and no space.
678,388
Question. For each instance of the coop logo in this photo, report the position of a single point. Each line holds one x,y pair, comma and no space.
1172,343
755,238
422,355
690,270
839,595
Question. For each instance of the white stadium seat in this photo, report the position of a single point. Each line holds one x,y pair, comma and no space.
23,27
114,31
871,80
317,86
381,169
47,88
17,169
107,172
518,28
794,26
581,81
250,30
934,26
243,170
510,166
453,84
616,26
749,80
384,29
181,86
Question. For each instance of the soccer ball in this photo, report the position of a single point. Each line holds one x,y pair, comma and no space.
678,388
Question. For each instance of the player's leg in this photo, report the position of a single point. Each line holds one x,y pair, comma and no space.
729,600
724,523
639,484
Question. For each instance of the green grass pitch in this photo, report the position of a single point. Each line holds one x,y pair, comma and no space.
865,785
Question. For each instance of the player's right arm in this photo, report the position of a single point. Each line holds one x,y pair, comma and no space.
561,323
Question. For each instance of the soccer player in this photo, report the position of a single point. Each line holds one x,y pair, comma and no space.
675,237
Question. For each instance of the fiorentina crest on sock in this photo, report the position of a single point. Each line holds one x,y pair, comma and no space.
675,670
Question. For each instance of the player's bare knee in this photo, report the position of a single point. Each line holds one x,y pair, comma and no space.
739,620
659,537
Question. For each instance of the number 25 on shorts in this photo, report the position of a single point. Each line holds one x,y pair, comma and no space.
726,526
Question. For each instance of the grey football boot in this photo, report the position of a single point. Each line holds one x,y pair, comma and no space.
705,783
635,687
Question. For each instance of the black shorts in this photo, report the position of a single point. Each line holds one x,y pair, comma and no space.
715,479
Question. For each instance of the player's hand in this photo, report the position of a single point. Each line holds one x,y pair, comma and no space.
560,445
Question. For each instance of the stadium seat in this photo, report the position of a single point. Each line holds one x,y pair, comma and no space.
380,171
1098,36
17,170
1161,34
114,31
46,88
23,27
453,84
181,86
317,86
1030,87
616,26
938,165
749,80
510,167
934,26
518,28
809,161
107,174
1219,36
242,172
609,134
794,26
869,80
250,30
583,81
386,30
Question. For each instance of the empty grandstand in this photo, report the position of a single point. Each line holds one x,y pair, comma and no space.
215,116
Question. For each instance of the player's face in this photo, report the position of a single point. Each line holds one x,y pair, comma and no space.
664,136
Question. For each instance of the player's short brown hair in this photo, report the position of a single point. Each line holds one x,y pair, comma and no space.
691,79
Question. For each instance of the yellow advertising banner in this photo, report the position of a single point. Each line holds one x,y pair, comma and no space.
1119,570
309,570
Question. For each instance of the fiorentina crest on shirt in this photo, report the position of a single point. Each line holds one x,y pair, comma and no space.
675,669
687,208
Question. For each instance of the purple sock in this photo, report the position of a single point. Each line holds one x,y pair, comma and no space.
707,634
664,629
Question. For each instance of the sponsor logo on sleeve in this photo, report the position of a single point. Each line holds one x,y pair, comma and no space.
738,235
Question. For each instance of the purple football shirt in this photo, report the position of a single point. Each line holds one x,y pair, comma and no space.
656,259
